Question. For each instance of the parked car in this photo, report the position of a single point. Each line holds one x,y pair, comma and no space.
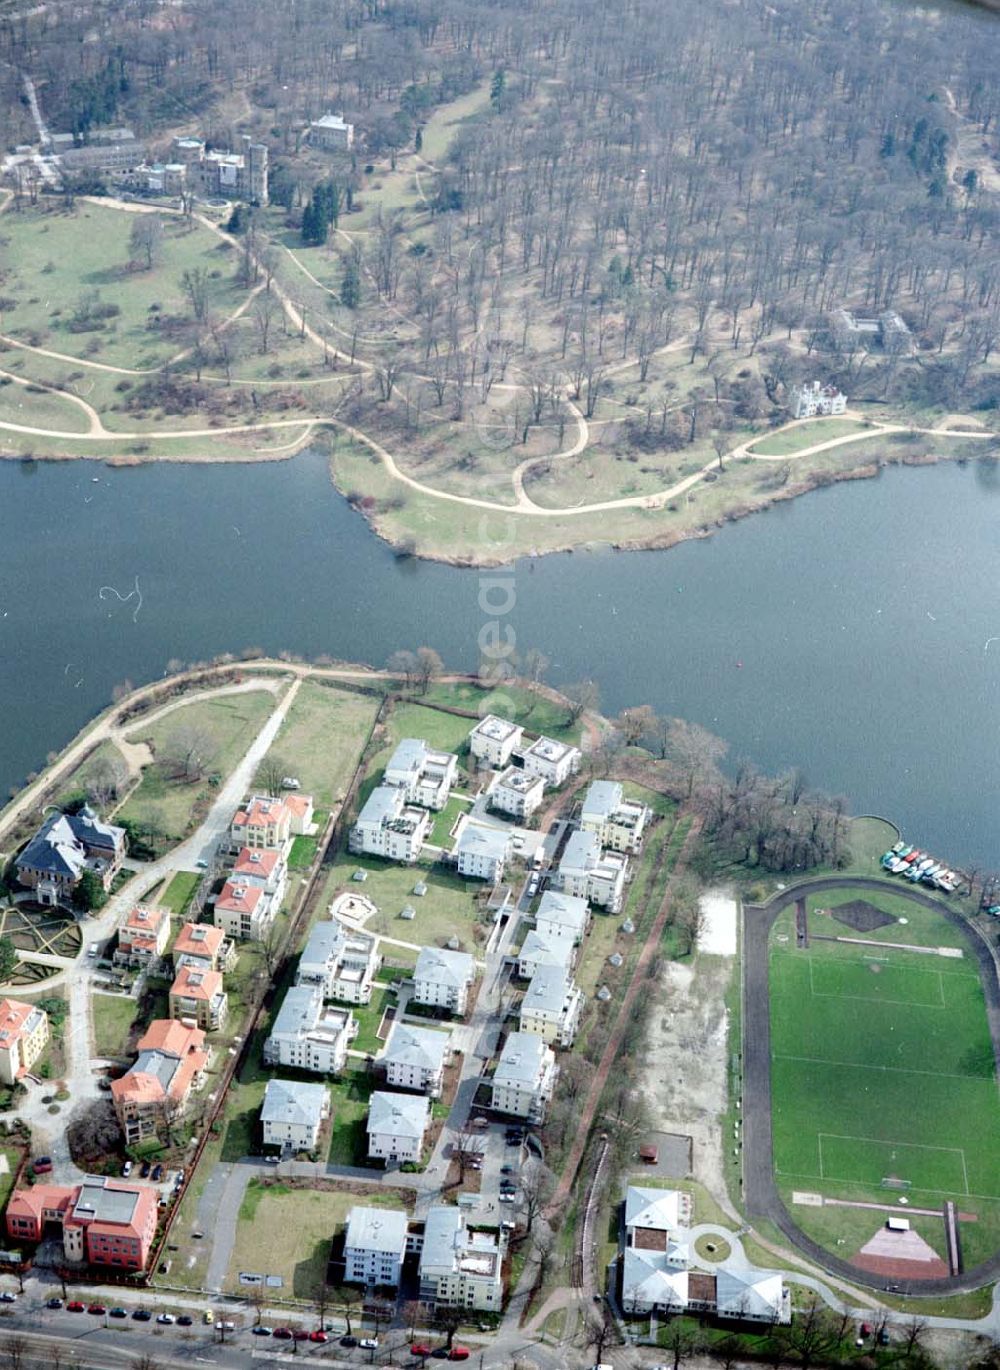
201,864
368,1343
261,1331
157,1173
459,1353
283,1333
142,1315
348,1341
506,1170
74,1306
144,1169
227,1326
41,1165
166,1319
300,1334
54,1302
419,1349
185,1320
127,1169
97,1309
118,1313
318,1335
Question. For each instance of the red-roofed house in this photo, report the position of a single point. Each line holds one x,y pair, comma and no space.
172,1061
198,996
104,1222
142,935
300,808
243,910
261,822
203,947
24,1033
268,870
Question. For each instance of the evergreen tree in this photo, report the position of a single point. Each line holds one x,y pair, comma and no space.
350,286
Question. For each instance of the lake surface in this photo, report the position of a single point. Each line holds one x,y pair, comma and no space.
847,633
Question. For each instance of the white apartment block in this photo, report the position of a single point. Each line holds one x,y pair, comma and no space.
308,1035
554,761
459,1268
552,1006
545,949
592,874
340,961
482,853
396,1126
425,776
388,826
374,1246
415,1058
618,822
493,740
524,1077
563,915
441,979
293,1113
517,792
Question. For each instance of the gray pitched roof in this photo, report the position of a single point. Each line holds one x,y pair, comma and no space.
521,1059
293,1101
582,851
61,844
443,967
493,843
563,910
416,1046
602,798
384,803
376,1229
403,1115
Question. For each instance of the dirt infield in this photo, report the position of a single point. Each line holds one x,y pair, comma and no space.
860,916
897,1271
761,1195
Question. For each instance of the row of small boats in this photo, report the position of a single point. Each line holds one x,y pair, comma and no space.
919,868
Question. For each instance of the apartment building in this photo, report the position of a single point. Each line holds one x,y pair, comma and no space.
24,1035
375,1246
554,761
156,1090
415,1058
197,996
388,826
143,934
424,775
245,912
203,947
460,1267
441,979
545,949
343,963
104,1222
396,1126
482,853
293,1113
552,1006
493,741
517,792
309,1035
619,823
563,915
524,1078
592,874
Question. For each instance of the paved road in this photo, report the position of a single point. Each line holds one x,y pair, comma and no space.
760,1191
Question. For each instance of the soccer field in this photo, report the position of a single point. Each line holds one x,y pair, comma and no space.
881,1070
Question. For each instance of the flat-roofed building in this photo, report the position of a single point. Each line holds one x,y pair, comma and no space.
104,1222
415,1058
592,874
493,740
343,962
424,775
551,1006
517,792
554,761
482,853
143,934
441,978
618,822
396,1126
388,826
309,1035
24,1035
375,1246
460,1267
524,1078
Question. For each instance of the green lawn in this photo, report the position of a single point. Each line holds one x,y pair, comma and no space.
321,739
179,893
55,258
348,1136
445,820
300,1224
530,708
224,727
368,1019
882,1066
794,440
113,1016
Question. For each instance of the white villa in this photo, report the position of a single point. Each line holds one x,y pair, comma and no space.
562,914
812,398
293,1113
493,740
524,1077
425,776
341,961
592,874
552,1006
442,979
517,792
415,1058
554,761
482,853
308,1035
396,1126
388,826
619,823
374,1246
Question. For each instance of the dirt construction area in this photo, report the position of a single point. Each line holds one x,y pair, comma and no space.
686,1065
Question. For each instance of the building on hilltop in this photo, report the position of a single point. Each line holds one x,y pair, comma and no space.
24,1035
812,398
331,133
229,175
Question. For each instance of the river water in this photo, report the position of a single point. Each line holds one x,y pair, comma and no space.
847,633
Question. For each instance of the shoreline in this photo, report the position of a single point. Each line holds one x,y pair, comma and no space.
374,517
